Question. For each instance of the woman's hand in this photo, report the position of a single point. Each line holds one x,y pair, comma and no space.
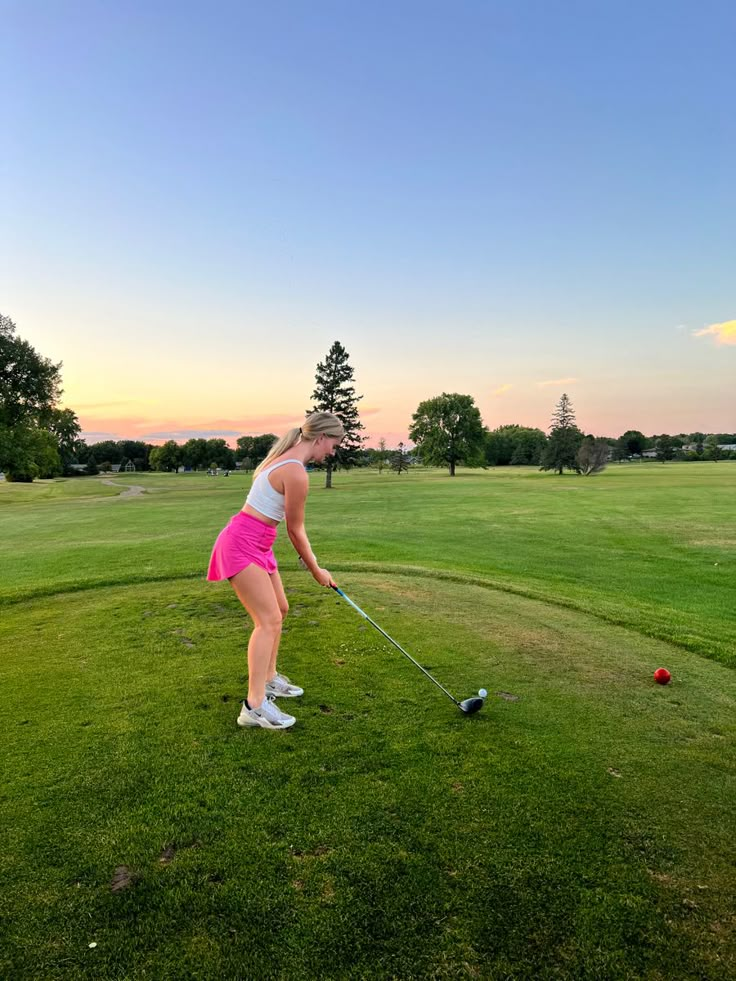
323,577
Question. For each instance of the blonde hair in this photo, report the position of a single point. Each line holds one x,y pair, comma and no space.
315,425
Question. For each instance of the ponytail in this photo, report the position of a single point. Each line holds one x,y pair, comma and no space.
280,446
315,425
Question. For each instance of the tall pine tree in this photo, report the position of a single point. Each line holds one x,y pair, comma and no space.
400,461
334,392
564,439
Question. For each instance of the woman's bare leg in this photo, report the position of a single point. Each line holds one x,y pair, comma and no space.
283,604
253,588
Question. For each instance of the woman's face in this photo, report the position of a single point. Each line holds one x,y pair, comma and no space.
325,446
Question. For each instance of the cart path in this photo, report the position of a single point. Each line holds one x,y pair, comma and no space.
133,490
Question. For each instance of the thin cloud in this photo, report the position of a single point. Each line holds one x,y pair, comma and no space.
557,381
249,424
179,434
93,437
157,430
724,333
502,389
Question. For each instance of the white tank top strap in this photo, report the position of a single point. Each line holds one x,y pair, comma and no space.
275,466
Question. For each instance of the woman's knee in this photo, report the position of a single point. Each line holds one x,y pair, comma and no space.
283,609
270,623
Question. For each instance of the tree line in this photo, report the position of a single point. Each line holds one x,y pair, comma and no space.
38,439
448,431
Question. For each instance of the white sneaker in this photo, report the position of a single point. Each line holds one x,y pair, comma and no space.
268,716
281,687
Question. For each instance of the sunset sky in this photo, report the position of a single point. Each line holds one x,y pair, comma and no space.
504,199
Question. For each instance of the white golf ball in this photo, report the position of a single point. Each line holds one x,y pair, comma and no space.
482,693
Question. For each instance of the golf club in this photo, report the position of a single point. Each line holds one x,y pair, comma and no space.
468,705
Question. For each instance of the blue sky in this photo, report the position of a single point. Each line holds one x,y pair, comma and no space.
474,197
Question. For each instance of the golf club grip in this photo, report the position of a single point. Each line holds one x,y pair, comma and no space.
354,605
397,646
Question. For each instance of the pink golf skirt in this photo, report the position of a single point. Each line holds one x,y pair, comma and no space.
243,540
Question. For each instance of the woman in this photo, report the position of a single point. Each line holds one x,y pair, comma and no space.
243,553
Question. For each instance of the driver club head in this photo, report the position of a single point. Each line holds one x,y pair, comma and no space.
471,705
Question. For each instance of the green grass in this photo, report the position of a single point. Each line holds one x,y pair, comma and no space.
63,489
580,826
648,547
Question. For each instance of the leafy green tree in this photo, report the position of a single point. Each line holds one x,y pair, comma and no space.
29,452
194,454
564,439
617,452
254,447
30,387
220,454
593,455
334,392
448,430
165,458
137,452
514,445
665,448
16,453
713,450
500,445
46,454
529,445
106,449
261,445
244,449
632,443
699,440
64,425
29,383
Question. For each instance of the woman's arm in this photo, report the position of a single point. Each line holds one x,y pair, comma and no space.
296,486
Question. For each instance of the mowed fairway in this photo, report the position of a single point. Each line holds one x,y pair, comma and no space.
580,826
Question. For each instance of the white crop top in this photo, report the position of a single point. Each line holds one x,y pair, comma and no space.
264,498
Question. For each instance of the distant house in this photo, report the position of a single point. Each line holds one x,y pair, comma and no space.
77,467
130,467
115,468
693,447
649,454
